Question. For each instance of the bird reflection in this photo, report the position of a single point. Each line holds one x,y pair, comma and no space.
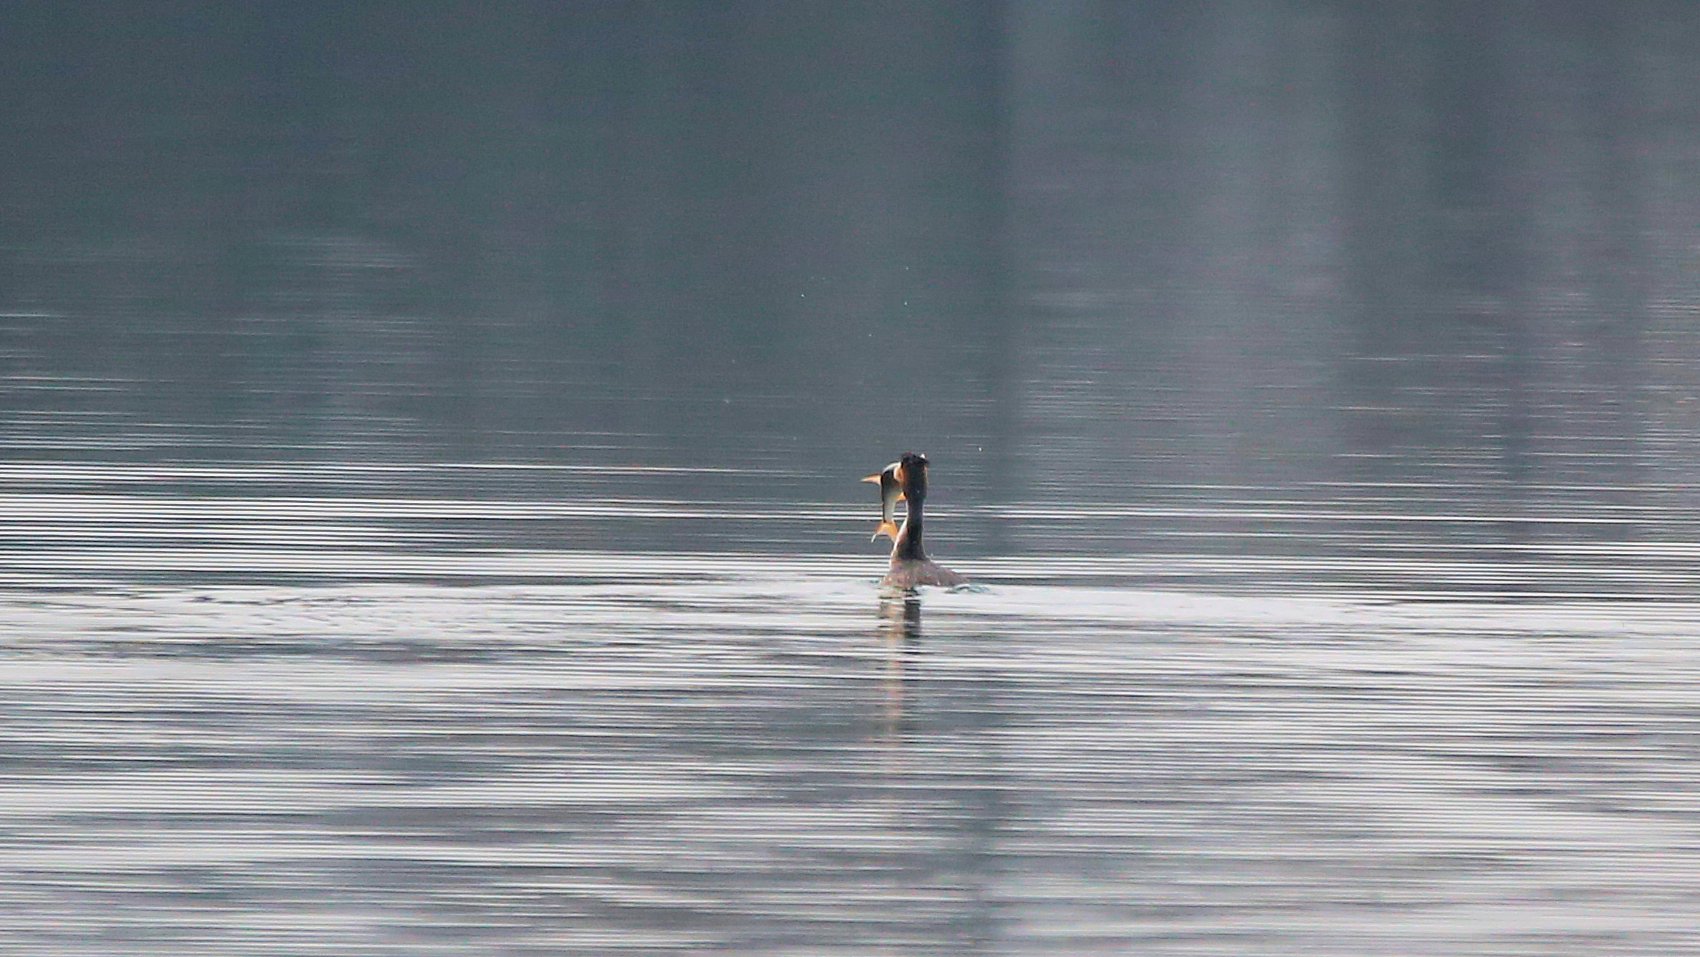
900,626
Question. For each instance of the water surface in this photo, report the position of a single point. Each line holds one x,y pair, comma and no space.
428,451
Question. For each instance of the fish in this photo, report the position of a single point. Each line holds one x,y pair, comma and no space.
891,492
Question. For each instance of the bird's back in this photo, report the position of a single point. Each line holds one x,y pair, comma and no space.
913,573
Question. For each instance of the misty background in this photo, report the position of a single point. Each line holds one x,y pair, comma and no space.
1068,249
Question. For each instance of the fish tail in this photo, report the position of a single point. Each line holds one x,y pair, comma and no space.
888,529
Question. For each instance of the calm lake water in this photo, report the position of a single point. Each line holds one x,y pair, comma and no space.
429,444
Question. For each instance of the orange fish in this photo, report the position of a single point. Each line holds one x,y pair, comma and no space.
891,492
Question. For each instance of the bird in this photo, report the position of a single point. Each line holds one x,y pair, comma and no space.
910,567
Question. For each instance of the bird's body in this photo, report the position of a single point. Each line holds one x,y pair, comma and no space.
913,573
910,567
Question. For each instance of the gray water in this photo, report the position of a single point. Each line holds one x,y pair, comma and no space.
429,517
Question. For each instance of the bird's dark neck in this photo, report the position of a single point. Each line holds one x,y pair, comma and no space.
908,545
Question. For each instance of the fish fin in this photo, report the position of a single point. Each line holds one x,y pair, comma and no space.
874,478
888,529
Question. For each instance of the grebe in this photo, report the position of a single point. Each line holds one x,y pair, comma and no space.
890,494
910,566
